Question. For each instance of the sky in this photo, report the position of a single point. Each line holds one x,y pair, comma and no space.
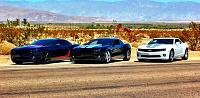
109,0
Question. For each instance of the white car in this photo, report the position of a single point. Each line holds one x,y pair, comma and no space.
163,49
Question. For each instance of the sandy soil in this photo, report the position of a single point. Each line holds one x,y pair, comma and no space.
131,81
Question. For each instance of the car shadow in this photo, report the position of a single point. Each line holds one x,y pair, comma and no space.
158,61
49,62
96,62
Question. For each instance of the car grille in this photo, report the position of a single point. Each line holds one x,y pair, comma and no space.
150,56
151,50
85,51
22,52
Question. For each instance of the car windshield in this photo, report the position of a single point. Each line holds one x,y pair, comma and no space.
44,42
161,41
100,41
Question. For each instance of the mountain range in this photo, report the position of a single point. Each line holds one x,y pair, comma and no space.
91,11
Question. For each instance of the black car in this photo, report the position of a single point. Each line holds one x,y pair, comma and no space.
42,50
102,49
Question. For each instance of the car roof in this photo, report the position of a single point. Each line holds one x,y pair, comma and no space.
52,39
166,38
108,38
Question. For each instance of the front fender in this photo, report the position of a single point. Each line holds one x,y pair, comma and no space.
126,47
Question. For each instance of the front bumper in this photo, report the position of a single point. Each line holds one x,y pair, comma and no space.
87,58
161,55
25,57
90,56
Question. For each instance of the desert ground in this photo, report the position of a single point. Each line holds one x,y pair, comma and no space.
179,79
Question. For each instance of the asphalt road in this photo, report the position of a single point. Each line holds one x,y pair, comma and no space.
118,80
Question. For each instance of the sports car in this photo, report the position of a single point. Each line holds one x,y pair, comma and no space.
42,50
102,49
163,49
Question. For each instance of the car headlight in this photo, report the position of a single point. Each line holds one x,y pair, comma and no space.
163,49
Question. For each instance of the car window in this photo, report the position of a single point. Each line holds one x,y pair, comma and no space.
116,42
177,40
100,41
63,43
121,42
44,42
161,41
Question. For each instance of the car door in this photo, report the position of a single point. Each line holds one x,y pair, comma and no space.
179,45
62,48
117,47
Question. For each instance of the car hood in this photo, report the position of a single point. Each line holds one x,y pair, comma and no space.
29,47
90,46
155,46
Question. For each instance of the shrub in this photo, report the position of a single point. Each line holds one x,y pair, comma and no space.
5,47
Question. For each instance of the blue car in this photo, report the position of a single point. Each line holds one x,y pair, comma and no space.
102,49
42,50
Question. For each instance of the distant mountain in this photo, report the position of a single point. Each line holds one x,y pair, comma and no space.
10,12
131,10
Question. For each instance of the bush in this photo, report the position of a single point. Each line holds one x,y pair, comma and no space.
5,47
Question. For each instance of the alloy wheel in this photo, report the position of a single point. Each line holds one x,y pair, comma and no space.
107,57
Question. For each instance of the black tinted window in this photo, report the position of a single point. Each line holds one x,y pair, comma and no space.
177,40
116,42
44,42
161,41
100,41
63,43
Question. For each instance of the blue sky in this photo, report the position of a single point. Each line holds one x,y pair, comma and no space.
108,0
175,0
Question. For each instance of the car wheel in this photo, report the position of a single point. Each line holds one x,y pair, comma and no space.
18,62
171,56
127,56
107,57
141,60
46,57
185,57
43,59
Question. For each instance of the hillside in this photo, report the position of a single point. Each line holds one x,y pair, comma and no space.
11,12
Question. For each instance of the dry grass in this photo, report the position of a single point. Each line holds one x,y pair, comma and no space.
5,47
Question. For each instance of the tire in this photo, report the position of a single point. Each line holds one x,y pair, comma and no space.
107,57
43,59
75,62
141,60
185,57
127,56
171,56
18,62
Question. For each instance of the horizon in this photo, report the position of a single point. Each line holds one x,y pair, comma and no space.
120,10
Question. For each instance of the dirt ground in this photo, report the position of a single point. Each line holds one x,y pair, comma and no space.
130,81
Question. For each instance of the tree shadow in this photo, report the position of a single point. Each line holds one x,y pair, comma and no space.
49,62
96,62
158,61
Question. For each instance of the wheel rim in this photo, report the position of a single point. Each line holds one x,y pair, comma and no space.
128,54
46,56
108,57
186,54
171,56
